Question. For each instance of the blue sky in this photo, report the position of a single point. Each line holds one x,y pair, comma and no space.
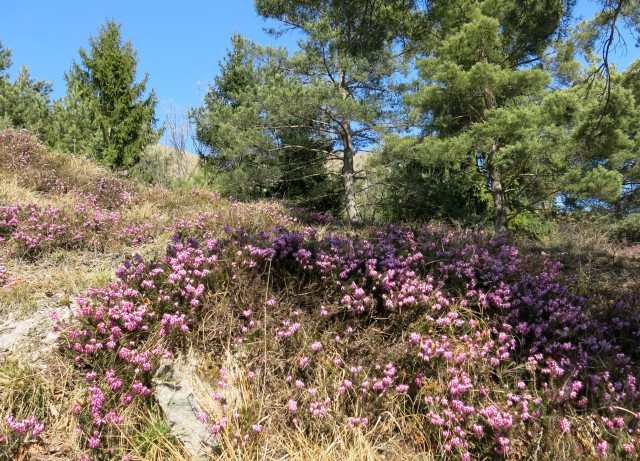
179,44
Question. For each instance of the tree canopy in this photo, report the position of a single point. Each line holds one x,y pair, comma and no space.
476,111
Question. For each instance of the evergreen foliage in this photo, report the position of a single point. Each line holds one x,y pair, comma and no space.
344,69
5,59
603,146
25,103
76,132
253,149
102,86
501,122
480,102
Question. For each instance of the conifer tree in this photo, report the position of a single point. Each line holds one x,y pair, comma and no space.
75,131
480,99
5,60
345,65
604,143
254,148
103,82
25,103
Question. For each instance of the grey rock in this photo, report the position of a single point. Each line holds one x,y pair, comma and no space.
174,391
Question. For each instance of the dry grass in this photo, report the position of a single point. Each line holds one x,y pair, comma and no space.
43,391
183,164
145,436
341,446
382,440
12,192
587,250
53,280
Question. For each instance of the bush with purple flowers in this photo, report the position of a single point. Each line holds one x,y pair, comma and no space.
24,402
448,344
480,347
31,230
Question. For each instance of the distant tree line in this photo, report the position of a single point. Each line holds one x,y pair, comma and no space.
473,111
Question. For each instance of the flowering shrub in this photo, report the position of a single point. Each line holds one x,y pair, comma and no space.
450,316
18,148
16,433
107,192
6,279
451,342
30,230
24,408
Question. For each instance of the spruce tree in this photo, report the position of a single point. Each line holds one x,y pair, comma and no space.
103,82
75,131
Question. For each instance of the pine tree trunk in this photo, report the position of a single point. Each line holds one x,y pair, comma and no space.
348,181
348,174
497,192
495,179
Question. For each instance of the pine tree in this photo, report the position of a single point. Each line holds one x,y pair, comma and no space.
115,103
344,65
254,149
5,60
605,139
480,100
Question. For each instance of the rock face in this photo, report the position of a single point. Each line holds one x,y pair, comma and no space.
31,338
176,389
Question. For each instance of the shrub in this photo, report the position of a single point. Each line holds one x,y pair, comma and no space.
628,229
19,148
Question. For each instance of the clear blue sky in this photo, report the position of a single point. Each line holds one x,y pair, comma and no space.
179,44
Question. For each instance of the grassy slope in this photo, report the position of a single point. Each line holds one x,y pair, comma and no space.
318,342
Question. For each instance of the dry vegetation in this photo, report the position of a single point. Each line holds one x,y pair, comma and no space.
309,341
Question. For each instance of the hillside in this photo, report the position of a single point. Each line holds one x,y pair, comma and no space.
140,323
181,164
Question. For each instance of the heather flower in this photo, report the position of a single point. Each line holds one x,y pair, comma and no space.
528,319
317,409
603,447
292,406
6,280
25,425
